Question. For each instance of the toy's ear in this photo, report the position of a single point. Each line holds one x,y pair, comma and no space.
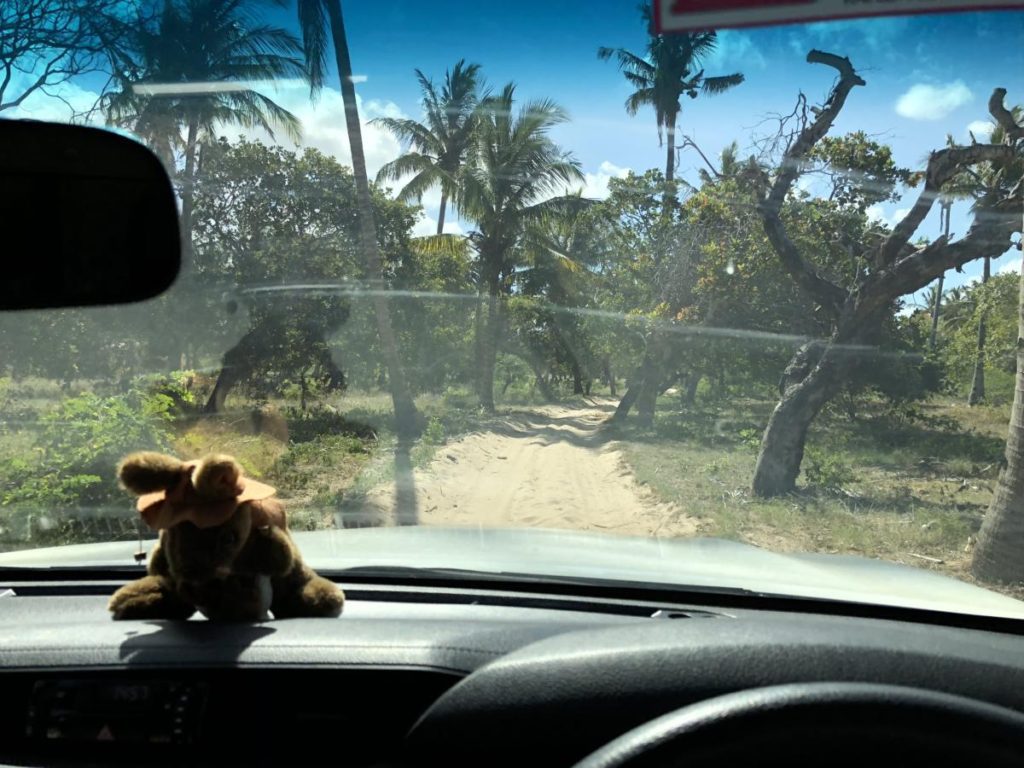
218,477
148,471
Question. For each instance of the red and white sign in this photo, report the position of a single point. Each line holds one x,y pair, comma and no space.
687,15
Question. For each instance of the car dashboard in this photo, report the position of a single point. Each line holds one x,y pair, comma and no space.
438,675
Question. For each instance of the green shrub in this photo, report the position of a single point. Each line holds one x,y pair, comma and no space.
827,470
68,474
304,426
178,391
434,432
305,462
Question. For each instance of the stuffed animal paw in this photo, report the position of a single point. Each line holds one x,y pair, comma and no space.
224,547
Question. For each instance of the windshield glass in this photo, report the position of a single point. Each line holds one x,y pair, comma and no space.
553,295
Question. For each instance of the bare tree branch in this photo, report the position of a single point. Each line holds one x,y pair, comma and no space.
688,142
990,235
829,295
50,41
942,166
1003,116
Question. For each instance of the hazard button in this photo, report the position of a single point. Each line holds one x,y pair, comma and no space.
105,734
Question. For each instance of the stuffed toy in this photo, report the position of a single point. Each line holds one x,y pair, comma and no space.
224,546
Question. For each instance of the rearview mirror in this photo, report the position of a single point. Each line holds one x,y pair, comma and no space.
88,217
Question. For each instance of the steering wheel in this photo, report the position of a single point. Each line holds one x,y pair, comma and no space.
829,724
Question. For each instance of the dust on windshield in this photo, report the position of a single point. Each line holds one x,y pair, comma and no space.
515,267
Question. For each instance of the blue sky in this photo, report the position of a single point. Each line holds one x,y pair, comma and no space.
926,77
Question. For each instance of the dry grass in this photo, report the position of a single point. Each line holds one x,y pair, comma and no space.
910,491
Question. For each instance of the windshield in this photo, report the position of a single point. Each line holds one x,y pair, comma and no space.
718,304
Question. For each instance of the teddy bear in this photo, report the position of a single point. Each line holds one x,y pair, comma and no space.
224,547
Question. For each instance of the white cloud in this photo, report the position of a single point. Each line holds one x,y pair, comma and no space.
877,213
58,105
875,34
933,102
735,52
596,184
982,129
427,225
323,122
378,108
323,126
1012,267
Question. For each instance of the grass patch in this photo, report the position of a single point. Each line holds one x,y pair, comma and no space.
911,490
228,433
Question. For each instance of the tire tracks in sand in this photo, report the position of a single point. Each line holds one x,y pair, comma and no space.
542,467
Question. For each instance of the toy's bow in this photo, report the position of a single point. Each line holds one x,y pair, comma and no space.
164,509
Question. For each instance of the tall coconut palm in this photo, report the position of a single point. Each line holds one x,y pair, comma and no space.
512,178
188,69
437,147
977,393
669,69
989,181
945,206
320,21
997,556
561,254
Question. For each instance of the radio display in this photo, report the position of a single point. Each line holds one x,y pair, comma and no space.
152,711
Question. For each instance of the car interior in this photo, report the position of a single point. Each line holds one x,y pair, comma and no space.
444,673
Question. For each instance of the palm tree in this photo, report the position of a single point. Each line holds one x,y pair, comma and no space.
670,68
561,256
437,146
945,205
319,19
989,181
512,178
977,393
997,554
164,65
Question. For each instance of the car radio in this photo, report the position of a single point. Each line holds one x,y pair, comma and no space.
137,711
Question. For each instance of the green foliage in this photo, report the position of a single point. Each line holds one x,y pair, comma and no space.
177,393
434,432
268,219
827,470
78,446
750,437
996,301
861,172
305,463
308,425
198,41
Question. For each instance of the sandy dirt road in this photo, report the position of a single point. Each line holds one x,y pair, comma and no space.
547,467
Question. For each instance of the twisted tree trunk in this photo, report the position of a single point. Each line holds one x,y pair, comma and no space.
897,268
782,446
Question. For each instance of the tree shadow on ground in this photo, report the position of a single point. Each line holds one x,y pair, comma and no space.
406,505
898,502
881,443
